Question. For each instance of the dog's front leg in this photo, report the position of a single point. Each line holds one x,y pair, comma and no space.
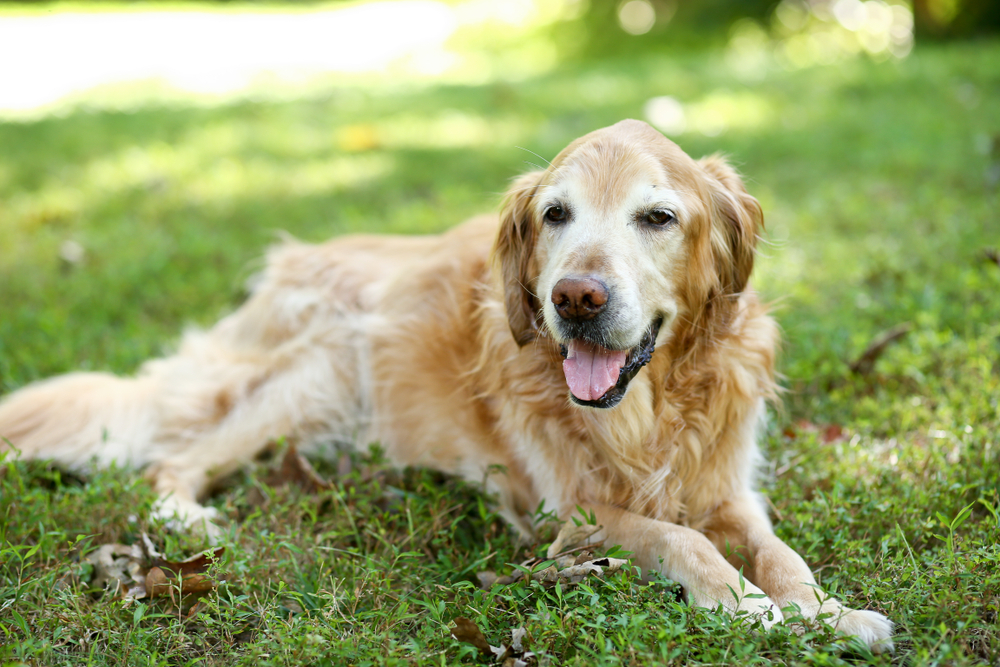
785,577
687,557
184,478
178,500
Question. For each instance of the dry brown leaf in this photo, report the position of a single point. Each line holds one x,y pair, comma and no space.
156,583
515,655
186,577
486,579
161,583
507,656
571,536
523,661
833,433
469,633
139,571
610,565
573,574
194,565
297,471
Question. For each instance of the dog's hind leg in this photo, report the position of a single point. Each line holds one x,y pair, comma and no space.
287,363
309,391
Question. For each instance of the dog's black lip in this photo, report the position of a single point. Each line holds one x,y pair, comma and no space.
638,357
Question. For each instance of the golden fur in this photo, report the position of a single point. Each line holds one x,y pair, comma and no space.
446,350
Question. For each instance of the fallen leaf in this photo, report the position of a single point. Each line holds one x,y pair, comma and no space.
469,633
139,571
610,565
517,637
833,433
523,661
487,579
195,564
515,654
571,536
296,470
148,548
572,574
111,562
186,577
160,583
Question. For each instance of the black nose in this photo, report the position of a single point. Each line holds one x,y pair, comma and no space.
579,298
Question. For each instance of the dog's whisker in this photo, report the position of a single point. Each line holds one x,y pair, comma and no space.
535,154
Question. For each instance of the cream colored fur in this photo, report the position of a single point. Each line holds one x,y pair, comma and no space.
445,350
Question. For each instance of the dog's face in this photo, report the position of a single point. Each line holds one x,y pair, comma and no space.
620,239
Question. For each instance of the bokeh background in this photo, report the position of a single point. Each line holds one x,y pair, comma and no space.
150,152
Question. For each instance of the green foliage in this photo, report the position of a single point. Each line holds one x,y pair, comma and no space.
878,212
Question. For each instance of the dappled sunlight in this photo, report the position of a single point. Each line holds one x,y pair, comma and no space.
219,53
446,130
711,115
220,163
260,177
194,172
806,33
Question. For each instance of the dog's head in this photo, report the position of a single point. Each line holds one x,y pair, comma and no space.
623,238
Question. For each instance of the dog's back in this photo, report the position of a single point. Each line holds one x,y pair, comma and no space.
292,361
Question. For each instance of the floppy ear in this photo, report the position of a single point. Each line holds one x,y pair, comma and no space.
738,222
514,257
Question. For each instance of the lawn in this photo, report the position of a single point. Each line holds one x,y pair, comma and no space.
118,228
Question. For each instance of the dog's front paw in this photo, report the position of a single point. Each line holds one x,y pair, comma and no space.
186,516
871,627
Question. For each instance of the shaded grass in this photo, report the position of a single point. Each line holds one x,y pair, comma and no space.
878,212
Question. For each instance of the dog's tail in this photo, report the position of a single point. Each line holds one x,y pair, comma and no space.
82,418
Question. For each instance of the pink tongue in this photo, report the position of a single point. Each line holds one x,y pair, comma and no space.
591,370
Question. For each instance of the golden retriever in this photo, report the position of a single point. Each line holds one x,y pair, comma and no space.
599,346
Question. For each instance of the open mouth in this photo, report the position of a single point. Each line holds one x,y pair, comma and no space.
598,377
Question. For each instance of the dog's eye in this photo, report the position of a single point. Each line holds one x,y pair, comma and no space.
660,217
555,214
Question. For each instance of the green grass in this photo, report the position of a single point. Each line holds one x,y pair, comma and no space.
878,212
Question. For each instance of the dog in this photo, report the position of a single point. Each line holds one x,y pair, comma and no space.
599,345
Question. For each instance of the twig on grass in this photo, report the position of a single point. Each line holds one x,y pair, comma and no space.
865,364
